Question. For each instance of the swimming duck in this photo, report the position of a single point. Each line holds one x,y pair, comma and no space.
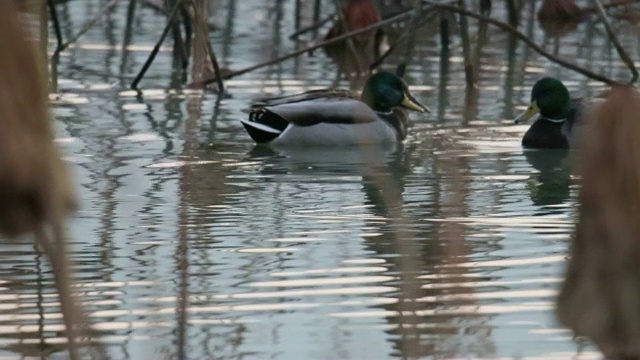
335,117
559,116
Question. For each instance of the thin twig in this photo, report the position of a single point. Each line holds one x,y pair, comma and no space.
55,58
209,48
180,49
88,25
377,62
56,23
334,40
524,39
614,39
411,37
512,13
131,10
343,23
155,7
469,71
61,46
424,19
188,34
156,48
311,27
594,9
216,67
298,14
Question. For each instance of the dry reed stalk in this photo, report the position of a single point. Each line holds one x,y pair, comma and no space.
35,191
205,62
600,297
614,39
34,186
469,70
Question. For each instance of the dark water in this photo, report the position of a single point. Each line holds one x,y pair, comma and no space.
450,245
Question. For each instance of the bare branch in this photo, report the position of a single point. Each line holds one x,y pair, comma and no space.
614,39
525,39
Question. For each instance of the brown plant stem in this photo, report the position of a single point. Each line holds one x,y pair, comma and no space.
411,37
88,25
156,48
614,39
200,22
343,23
312,27
299,52
469,71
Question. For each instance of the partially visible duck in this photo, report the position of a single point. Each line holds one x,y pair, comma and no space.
335,117
559,116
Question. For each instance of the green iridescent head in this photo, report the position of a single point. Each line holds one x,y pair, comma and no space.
550,98
384,90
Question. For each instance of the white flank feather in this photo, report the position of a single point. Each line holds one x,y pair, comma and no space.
260,126
328,134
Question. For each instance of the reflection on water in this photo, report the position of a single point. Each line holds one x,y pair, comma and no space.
192,241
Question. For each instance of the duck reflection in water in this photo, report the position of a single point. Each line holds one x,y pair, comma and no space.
551,186
354,160
600,297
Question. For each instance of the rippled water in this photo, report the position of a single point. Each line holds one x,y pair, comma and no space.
450,245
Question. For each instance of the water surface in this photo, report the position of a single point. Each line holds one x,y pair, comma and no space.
450,245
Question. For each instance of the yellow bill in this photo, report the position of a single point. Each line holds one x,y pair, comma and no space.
531,111
410,102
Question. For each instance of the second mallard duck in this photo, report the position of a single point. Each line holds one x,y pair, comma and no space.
559,118
335,117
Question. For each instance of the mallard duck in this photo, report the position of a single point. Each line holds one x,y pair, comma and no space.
336,117
559,116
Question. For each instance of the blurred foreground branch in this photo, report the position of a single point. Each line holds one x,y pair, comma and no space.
600,293
35,191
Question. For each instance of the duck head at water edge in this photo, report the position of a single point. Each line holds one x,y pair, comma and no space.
331,117
558,115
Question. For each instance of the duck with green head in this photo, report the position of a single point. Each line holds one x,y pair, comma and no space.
335,117
555,126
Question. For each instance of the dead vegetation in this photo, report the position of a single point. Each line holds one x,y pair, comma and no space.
600,297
